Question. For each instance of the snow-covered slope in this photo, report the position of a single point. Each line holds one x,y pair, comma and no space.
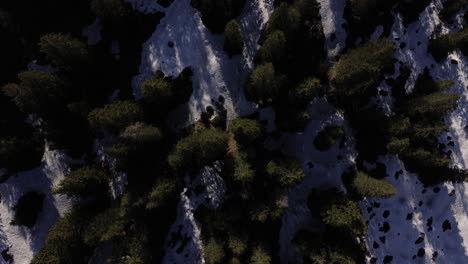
429,221
215,74
19,241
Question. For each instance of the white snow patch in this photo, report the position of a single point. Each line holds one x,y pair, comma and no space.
146,6
186,227
323,171
331,12
195,46
23,242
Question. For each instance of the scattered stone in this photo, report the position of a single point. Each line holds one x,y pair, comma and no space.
332,36
421,252
409,216
402,45
424,191
434,255
373,260
419,43
385,228
382,239
420,203
453,61
386,213
452,192
446,225
376,205
170,44
369,209
419,240
375,245
388,259
437,189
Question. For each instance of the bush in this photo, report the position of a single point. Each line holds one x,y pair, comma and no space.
273,49
164,93
263,84
260,256
344,215
288,172
237,246
63,243
158,90
64,51
141,133
366,186
198,150
284,18
328,137
213,252
106,226
246,131
85,181
361,69
28,208
243,171
110,12
163,191
441,46
305,92
115,116
36,92
233,43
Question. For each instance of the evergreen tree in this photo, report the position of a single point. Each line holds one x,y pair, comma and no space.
85,181
64,51
199,149
366,186
115,116
233,43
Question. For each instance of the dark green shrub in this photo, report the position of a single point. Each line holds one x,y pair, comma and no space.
110,12
245,131
163,190
64,51
36,92
441,46
233,43
199,149
263,84
213,252
18,153
288,172
141,133
366,186
273,48
115,116
260,256
85,181
343,214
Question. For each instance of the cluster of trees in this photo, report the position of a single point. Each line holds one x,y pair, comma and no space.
413,132
217,13
441,46
288,63
359,71
363,16
343,225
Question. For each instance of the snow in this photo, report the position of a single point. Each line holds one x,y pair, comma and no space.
195,46
185,225
146,6
325,173
444,202
331,12
92,32
23,242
